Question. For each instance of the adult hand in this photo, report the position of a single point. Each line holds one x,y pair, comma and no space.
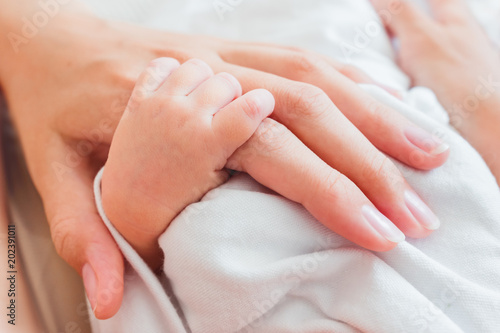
448,53
68,86
452,55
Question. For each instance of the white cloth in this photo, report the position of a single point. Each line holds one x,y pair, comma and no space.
245,259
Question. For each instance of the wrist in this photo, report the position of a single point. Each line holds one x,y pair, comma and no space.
472,111
485,118
139,220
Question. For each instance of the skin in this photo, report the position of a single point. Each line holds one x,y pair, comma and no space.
180,127
451,54
322,147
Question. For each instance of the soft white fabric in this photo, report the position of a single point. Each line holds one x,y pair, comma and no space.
245,259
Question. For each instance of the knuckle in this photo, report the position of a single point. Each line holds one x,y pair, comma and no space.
353,73
270,136
230,80
346,69
378,114
271,139
162,51
305,100
161,105
376,108
333,185
379,168
303,63
181,120
60,233
136,99
201,64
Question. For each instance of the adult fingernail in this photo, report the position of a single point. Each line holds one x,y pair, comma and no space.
91,285
421,211
382,224
425,141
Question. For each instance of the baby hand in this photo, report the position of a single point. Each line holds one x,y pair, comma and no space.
180,127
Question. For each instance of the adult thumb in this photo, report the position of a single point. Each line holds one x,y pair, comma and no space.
81,237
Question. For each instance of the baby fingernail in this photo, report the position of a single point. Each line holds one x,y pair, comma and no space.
421,211
425,141
382,224
91,285
265,98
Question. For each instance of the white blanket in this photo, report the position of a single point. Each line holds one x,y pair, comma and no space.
247,260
